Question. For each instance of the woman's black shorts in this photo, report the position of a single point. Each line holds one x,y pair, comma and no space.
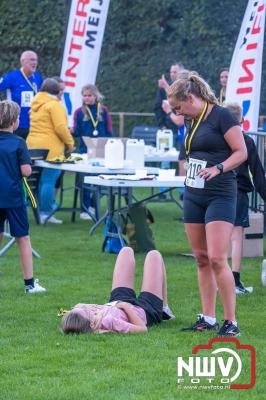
151,304
201,209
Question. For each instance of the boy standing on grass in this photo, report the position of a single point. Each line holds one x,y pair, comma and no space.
14,165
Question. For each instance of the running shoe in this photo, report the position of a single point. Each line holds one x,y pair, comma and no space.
35,288
241,289
229,329
201,325
167,313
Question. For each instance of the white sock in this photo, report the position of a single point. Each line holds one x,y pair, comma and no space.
234,323
210,320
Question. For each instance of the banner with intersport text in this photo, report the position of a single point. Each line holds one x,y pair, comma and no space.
86,24
244,81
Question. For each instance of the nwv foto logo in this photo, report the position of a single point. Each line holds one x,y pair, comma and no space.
221,366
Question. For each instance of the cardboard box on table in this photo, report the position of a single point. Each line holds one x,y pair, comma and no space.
95,146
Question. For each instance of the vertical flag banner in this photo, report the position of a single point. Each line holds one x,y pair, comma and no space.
86,24
244,79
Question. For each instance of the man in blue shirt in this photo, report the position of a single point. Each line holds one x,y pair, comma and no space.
21,86
14,165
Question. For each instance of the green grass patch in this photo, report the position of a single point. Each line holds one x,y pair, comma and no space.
38,362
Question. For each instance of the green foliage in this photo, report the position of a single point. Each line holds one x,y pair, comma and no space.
142,39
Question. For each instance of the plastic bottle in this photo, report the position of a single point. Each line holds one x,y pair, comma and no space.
135,152
164,139
114,154
263,273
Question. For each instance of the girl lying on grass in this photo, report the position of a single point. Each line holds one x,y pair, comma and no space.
125,313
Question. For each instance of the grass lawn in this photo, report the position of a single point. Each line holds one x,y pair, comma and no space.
38,362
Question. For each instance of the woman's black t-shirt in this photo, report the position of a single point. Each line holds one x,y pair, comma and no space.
209,144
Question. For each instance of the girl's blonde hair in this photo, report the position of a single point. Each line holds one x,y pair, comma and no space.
9,113
73,322
99,99
191,83
94,90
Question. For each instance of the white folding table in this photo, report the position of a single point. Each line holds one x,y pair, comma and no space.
118,185
93,167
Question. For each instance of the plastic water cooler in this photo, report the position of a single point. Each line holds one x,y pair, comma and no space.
114,154
164,139
135,152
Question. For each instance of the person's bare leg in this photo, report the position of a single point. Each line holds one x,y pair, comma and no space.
25,254
237,247
124,271
218,237
206,279
153,280
1,237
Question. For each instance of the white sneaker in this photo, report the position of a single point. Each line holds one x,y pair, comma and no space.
242,289
85,216
43,218
35,289
54,220
92,210
167,313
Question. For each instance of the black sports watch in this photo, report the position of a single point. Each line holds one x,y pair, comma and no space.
220,167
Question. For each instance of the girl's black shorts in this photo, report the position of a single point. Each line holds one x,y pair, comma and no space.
151,304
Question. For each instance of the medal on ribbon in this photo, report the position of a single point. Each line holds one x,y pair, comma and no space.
94,121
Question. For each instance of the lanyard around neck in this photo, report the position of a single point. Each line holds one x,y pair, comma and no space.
32,85
94,122
193,130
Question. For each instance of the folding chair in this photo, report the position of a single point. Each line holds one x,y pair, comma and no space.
145,132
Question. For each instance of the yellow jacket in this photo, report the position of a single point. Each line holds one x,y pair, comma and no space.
48,126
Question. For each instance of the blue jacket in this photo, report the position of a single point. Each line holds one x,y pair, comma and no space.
20,91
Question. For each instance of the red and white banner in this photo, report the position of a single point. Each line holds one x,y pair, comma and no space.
244,79
82,50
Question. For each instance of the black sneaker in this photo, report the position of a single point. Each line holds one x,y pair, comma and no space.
201,325
229,329
240,289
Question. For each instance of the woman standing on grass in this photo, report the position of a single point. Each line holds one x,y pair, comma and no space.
125,313
214,147
48,130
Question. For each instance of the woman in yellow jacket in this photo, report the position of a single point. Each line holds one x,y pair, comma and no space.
48,130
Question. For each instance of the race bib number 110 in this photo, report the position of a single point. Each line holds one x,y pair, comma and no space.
192,179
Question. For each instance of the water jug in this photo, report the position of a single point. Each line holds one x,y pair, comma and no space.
135,152
164,139
114,154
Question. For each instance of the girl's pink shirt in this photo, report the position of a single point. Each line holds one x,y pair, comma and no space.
114,319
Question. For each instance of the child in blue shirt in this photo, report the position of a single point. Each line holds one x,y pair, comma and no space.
14,165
